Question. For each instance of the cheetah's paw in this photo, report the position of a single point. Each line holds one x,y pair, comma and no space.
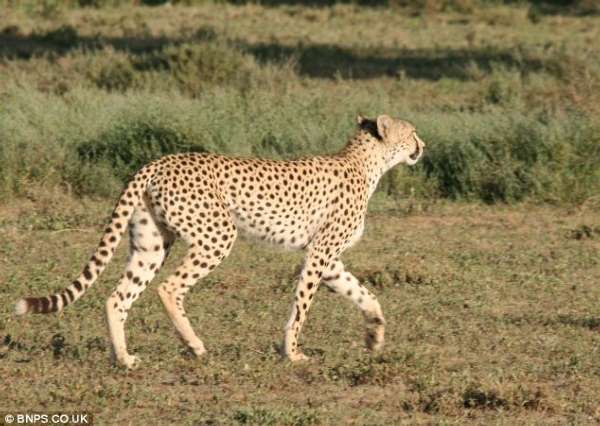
297,357
131,362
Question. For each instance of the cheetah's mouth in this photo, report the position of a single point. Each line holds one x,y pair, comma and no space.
417,152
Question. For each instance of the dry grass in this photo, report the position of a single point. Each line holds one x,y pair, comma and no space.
492,319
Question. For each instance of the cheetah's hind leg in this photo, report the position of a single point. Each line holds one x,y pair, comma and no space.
149,246
202,257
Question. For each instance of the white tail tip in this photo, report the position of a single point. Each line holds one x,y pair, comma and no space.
21,307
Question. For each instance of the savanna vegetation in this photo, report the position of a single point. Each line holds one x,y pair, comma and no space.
508,96
485,256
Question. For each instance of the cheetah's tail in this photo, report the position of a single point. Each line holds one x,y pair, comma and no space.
108,244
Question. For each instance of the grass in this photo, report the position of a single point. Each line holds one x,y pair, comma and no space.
508,104
499,328
91,143
484,256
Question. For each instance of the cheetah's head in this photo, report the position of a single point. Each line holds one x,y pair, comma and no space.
399,137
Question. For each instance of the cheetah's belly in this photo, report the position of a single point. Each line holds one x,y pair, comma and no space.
292,231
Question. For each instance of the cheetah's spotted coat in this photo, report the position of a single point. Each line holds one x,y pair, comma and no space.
317,204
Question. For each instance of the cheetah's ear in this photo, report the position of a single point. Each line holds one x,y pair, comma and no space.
360,119
384,124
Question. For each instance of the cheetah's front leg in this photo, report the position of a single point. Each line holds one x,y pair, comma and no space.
347,285
308,283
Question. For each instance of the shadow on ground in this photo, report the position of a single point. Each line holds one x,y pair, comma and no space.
590,323
313,60
331,61
60,41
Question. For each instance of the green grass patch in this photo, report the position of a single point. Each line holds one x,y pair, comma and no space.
92,143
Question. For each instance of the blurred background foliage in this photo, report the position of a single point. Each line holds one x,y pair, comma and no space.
505,93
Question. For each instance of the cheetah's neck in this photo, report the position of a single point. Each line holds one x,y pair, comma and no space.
366,153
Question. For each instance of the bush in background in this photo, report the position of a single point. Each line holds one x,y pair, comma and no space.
510,157
89,96
92,143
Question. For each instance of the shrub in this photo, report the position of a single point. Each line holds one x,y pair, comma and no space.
197,66
128,146
509,157
116,74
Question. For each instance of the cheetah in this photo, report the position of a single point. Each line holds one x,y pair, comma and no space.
316,204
